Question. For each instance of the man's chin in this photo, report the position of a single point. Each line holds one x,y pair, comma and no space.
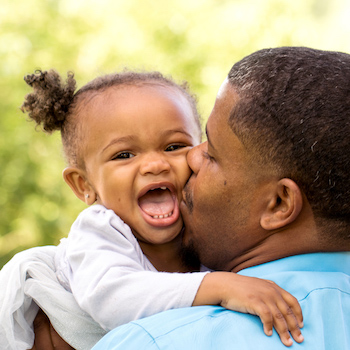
186,214
187,202
190,256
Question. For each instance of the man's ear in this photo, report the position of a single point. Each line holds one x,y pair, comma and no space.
284,206
77,181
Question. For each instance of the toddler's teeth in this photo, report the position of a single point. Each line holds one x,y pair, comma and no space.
163,188
162,216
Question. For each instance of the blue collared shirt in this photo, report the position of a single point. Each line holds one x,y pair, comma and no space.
320,281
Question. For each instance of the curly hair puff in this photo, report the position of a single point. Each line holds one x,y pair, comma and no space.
49,102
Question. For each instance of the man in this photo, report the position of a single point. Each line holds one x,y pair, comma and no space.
269,197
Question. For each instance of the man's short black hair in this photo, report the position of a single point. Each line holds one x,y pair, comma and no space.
294,114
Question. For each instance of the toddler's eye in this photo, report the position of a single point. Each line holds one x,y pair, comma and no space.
123,155
175,147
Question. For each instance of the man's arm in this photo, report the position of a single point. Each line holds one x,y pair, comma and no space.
46,338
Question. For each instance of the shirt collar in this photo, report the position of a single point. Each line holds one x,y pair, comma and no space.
335,262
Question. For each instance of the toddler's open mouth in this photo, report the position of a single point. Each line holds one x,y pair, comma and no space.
159,205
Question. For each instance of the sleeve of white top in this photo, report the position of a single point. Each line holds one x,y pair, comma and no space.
110,277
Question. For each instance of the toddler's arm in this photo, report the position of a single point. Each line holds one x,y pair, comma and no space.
264,298
110,277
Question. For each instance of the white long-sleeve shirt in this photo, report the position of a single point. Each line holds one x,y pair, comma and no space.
103,265
28,281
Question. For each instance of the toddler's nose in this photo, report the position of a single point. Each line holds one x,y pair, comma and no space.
154,164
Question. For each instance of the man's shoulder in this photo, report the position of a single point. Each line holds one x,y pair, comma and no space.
205,327
315,279
177,320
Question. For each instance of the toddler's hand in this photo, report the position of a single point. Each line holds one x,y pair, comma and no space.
275,306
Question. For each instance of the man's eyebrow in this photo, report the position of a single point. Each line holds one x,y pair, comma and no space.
208,138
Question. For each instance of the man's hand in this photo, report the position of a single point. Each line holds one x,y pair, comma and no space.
46,338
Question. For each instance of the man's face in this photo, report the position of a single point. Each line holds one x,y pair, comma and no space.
224,196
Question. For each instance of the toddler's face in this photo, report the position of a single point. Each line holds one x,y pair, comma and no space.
136,142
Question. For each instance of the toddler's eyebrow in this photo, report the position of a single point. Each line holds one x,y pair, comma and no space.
122,139
166,133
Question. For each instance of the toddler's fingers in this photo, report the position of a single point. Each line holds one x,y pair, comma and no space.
290,308
281,325
287,322
295,307
271,316
266,318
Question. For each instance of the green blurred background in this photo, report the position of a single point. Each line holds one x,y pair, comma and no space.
196,40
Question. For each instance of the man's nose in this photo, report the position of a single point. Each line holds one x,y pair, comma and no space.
195,157
154,164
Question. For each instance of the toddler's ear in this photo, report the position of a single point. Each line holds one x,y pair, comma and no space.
77,181
284,206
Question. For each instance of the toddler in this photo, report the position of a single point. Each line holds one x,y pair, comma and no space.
125,137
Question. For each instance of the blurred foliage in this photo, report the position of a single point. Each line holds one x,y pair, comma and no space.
196,40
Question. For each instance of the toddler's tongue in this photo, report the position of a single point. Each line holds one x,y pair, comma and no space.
157,202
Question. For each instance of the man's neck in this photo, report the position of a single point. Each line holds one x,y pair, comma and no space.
291,241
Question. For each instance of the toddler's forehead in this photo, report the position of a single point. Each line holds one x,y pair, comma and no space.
99,99
119,96
120,91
